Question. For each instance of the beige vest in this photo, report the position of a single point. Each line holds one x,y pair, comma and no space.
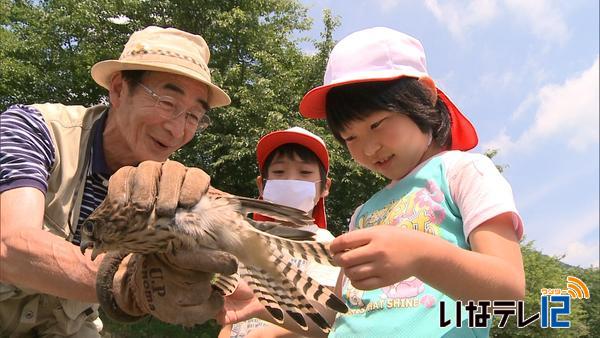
70,128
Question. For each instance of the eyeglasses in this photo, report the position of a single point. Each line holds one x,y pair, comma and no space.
170,109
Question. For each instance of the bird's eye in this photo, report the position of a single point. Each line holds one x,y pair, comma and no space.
88,227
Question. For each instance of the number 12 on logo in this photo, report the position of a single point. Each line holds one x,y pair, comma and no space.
550,313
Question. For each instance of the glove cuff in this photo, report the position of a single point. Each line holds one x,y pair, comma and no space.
105,291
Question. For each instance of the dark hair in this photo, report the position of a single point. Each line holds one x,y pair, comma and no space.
405,96
132,77
289,150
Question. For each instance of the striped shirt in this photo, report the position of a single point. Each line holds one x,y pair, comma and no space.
27,157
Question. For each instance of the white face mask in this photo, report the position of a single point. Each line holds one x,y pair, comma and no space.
292,193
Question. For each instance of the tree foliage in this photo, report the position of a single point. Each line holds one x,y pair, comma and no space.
542,271
47,48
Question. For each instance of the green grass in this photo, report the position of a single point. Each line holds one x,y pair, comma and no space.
151,327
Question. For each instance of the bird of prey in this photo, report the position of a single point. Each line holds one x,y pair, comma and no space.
220,221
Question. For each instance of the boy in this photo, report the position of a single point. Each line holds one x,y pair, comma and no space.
293,166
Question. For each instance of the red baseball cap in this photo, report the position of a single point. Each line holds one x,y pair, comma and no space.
381,54
268,143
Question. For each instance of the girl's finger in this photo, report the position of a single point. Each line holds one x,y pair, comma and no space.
349,241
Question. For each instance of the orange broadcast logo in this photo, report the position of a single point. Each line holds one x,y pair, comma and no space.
551,315
576,288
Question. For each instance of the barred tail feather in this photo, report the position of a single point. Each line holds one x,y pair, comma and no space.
286,295
307,250
255,281
310,287
276,211
289,295
276,229
225,284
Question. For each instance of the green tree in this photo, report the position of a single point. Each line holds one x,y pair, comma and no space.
591,277
542,271
48,47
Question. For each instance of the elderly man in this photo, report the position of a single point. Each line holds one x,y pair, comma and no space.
55,164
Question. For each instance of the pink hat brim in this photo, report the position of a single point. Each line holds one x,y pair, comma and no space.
464,136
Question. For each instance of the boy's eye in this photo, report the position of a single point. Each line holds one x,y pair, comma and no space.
306,172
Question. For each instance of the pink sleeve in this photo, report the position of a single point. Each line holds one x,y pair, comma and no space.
480,191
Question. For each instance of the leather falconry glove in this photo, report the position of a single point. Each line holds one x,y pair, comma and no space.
174,286
218,222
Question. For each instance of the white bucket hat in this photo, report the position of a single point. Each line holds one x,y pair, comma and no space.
166,50
381,54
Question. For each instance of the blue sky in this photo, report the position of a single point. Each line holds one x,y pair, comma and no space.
525,72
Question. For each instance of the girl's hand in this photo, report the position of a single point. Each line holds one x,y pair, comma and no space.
239,306
379,256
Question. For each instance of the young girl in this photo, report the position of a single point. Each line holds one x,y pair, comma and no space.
293,166
445,228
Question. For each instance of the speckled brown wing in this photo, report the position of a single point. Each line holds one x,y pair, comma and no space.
220,221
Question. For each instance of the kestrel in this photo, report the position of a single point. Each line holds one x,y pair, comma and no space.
220,221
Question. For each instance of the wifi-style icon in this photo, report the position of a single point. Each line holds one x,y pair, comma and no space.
577,288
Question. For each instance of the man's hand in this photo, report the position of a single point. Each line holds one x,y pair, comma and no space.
169,287
160,185
173,287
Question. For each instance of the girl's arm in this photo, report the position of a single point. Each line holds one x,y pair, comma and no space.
383,255
492,271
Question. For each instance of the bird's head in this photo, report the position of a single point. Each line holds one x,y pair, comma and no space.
107,226
90,236
117,227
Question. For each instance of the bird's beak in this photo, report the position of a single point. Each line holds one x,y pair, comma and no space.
95,253
84,244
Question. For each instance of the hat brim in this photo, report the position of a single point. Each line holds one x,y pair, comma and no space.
312,104
272,141
464,136
103,71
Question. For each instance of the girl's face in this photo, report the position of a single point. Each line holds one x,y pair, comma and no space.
388,143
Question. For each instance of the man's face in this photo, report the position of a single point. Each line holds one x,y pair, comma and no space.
144,127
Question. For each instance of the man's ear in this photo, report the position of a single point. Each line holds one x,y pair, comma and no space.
116,89
259,185
428,83
325,191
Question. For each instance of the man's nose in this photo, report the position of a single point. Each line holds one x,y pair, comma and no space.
176,127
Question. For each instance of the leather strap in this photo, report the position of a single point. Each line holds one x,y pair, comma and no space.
104,288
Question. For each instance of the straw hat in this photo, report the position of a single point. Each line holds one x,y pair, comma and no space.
268,143
381,54
167,50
